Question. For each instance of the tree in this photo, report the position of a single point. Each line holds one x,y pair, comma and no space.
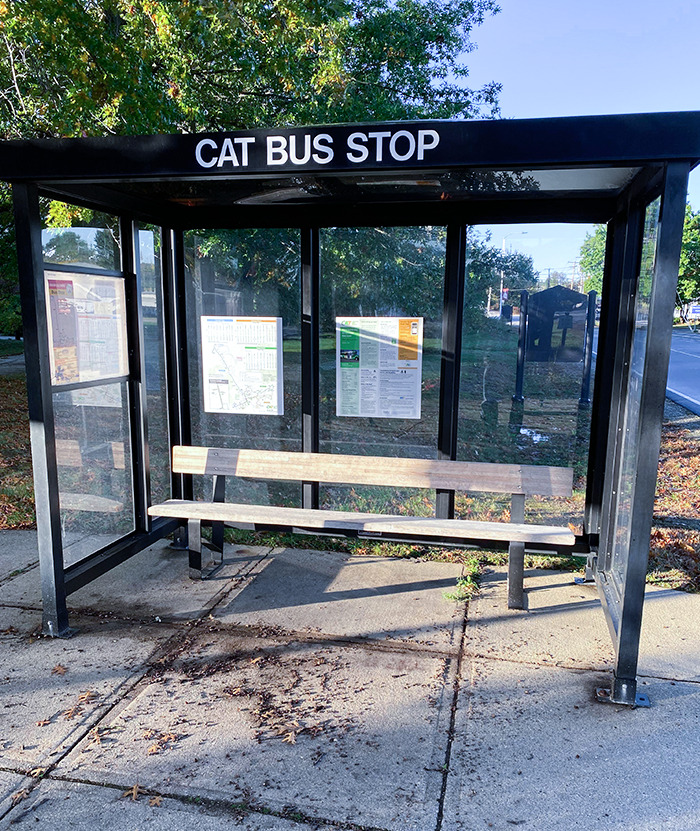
97,67
144,66
592,259
689,269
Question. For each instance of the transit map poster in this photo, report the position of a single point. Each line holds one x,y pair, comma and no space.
379,366
87,327
242,365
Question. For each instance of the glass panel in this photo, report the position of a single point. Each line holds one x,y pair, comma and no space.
93,453
87,238
150,267
630,443
538,419
251,273
381,273
87,327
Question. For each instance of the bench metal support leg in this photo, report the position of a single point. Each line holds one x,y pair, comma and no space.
217,528
516,567
516,556
194,545
199,571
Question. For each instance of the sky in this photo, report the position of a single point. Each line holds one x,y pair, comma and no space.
559,58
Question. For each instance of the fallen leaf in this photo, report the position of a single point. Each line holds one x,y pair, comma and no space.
155,801
19,796
36,772
59,669
72,712
134,792
43,722
291,737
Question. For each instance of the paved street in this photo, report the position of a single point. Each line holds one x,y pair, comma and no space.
684,370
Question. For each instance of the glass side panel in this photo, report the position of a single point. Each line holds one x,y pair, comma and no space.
251,274
149,259
630,446
78,236
540,416
93,453
381,274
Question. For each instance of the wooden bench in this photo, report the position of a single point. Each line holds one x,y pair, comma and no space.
517,480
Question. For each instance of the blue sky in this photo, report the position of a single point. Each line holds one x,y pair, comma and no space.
558,58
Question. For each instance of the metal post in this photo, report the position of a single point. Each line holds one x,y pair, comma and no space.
600,413
453,303
310,281
41,415
140,470
175,334
522,335
516,556
585,398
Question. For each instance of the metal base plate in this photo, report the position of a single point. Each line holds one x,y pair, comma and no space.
604,695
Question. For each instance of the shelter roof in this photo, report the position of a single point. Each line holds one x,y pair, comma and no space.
557,169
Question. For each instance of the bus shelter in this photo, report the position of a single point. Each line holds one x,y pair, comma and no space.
212,289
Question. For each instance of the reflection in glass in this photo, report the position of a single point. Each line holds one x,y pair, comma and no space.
149,259
381,272
247,273
630,447
87,238
93,453
541,422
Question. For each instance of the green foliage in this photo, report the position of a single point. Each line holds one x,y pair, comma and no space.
147,66
593,259
369,271
144,66
10,315
689,270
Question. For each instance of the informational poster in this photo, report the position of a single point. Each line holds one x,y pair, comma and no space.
378,366
87,327
242,365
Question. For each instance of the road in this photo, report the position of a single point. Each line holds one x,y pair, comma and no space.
683,384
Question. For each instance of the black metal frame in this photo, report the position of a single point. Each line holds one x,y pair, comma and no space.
111,175
623,604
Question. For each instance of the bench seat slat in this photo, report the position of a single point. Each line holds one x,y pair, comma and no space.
374,470
457,529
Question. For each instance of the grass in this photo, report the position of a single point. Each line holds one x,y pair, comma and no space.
17,489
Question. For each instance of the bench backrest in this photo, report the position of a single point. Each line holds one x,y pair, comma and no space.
374,470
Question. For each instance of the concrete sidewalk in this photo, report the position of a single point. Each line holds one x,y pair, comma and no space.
303,690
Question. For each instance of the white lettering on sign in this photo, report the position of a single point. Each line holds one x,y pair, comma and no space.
208,155
318,147
402,145
303,149
427,140
380,144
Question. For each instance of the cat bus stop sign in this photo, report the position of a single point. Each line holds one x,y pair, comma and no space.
281,233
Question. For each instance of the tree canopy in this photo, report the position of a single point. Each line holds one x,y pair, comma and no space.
689,270
98,67
592,259
145,66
